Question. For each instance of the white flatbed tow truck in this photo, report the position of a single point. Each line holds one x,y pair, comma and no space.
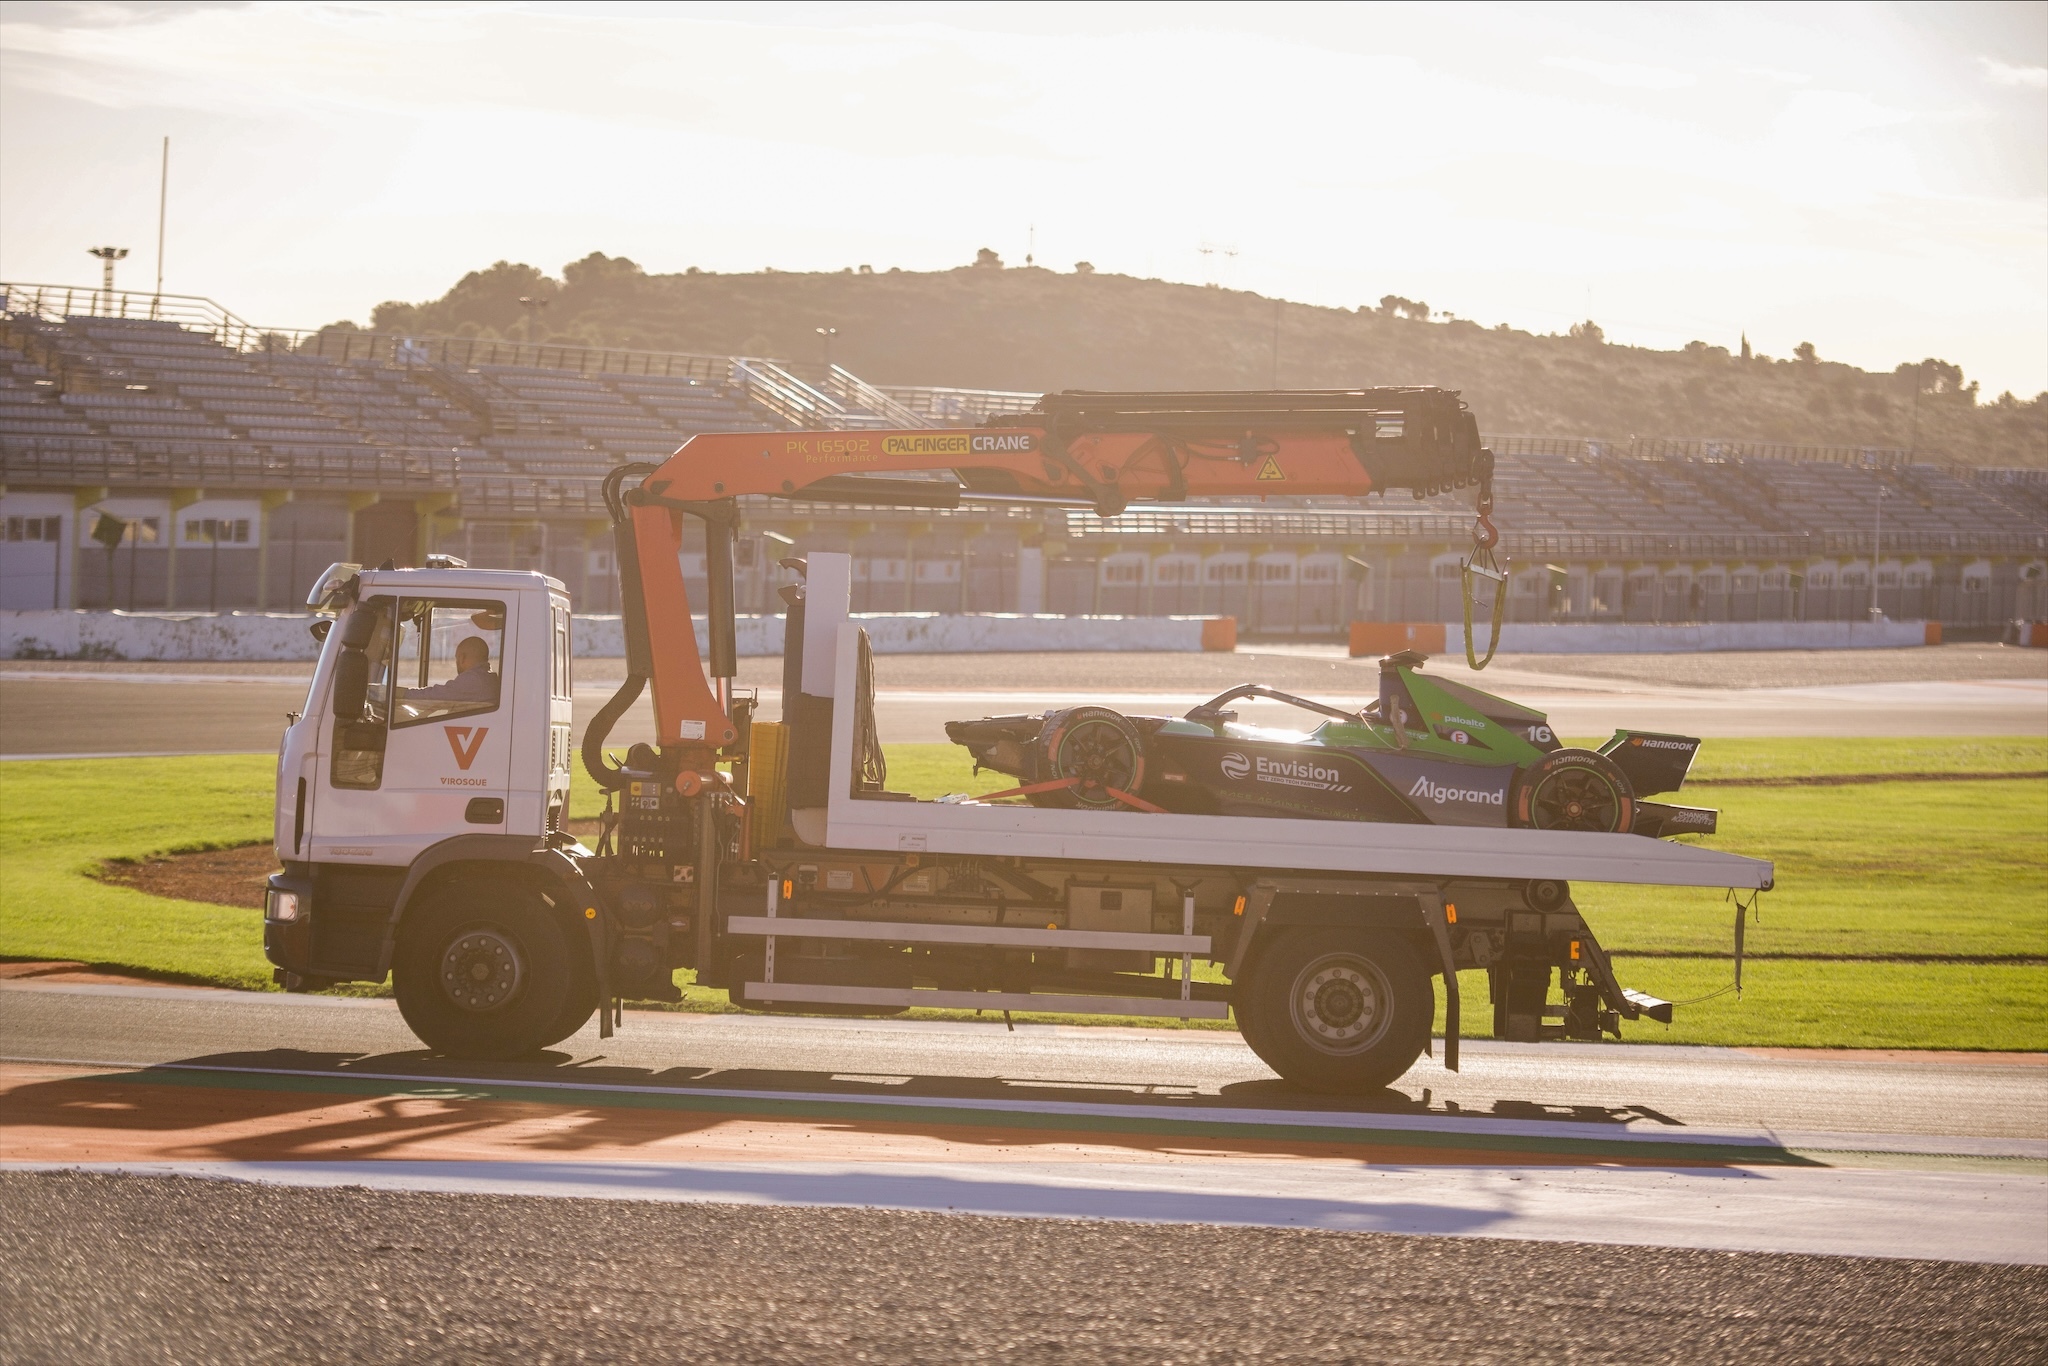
422,798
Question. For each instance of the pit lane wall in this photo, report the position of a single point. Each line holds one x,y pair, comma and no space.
1620,638
253,636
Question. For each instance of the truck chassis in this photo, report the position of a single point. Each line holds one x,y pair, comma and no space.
1328,933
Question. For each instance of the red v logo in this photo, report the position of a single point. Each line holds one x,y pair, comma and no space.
466,741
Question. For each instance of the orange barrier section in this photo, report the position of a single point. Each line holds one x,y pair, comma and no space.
1934,633
2036,635
1387,637
1219,633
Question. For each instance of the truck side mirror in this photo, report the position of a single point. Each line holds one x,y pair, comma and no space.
351,683
362,624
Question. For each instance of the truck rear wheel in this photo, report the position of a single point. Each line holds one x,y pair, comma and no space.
1341,1011
483,970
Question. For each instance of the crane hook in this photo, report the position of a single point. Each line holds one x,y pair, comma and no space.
1482,565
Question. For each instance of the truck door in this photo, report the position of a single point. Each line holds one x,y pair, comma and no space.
431,756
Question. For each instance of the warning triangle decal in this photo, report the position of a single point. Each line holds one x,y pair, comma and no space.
1271,469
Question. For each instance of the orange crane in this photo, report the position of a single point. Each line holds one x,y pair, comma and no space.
1098,450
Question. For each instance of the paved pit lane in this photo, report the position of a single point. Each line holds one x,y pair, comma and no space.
1643,1146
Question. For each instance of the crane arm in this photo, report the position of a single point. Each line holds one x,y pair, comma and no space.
1098,450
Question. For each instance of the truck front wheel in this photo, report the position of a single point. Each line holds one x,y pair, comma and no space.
1342,1011
483,970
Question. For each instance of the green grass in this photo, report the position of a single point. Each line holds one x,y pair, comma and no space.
1877,869
1807,1004
1725,759
64,816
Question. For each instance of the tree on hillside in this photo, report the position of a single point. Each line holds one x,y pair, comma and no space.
1393,305
1084,267
986,257
1806,354
1939,377
484,300
1589,331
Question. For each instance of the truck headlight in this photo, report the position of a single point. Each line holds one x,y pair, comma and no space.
279,905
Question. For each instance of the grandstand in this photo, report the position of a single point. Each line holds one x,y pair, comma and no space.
234,462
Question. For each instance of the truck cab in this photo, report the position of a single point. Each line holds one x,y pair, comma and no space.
438,721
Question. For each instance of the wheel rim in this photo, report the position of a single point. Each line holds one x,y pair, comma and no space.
1341,1003
1098,756
1575,799
482,969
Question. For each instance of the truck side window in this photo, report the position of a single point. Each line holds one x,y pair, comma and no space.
562,679
450,654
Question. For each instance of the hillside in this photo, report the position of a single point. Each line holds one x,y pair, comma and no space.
1034,329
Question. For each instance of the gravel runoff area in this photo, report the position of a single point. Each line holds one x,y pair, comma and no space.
126,1268
1301,666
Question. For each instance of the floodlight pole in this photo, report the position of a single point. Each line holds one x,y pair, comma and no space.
163,193
107,255
533,304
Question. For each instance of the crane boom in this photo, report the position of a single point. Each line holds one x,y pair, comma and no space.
1098,450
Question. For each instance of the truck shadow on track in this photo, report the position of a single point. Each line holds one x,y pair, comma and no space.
286,1105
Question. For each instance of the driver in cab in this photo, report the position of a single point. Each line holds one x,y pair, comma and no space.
473,682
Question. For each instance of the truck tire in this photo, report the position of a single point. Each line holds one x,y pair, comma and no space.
483,970
1337,1010
579,1003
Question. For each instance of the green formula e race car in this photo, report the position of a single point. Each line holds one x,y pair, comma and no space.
1427,751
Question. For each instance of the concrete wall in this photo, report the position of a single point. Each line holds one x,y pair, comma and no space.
281,636
1620,639
156,635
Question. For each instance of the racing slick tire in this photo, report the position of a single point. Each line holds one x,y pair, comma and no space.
1337,1010
1099,748
1573,789
484,970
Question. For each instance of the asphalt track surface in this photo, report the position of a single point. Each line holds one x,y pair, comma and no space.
78,708
1829,1154
97,1269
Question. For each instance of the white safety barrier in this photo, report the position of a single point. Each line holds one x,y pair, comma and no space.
1617,638
157,635
234,636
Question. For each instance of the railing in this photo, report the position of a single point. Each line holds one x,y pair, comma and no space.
55,303
1694,450
771,387
87,461
1792,546
469,353
958,407
1340,526
856,392
1223,520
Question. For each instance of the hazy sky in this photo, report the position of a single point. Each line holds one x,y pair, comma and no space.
1872,178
